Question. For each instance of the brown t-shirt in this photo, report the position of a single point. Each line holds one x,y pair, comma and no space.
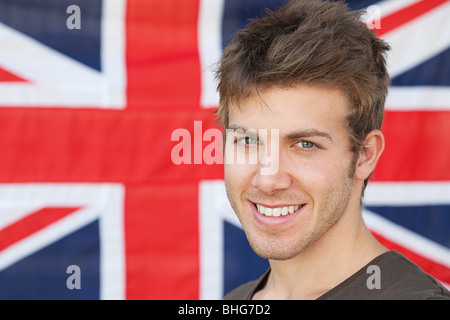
398,279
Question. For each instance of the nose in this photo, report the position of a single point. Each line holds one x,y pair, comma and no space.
271,181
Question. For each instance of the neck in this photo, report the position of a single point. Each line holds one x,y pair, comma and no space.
342,251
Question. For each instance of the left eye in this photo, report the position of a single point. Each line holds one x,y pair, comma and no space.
248,140
306,144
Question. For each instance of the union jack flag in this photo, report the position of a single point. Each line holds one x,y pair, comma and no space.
86,118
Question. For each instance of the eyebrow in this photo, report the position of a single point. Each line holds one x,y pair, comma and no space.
295,135
252,133
308,133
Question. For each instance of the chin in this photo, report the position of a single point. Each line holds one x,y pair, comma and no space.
273,248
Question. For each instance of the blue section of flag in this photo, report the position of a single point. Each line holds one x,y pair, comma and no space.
237,14
428,73
429,221
241,264
45,21
359,4
42,275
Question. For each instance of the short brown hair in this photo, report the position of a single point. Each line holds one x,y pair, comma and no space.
314,42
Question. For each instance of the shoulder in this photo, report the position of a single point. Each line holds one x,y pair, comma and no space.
246,290
405,280
243,292
396,278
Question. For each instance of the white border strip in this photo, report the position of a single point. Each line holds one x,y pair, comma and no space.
407,194
211,239
426,98
210,49
112,240
113,54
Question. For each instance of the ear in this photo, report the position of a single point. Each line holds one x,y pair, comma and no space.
370,152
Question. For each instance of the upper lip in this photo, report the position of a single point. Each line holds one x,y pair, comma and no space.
278,205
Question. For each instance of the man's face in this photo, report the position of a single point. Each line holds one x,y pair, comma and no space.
283,212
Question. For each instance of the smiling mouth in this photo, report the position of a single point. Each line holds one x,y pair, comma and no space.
277,211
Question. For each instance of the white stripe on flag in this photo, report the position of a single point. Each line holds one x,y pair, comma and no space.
426,98
388,7
99,201
407,194
212,208
31,60
406,238
418,40
57,80
210,48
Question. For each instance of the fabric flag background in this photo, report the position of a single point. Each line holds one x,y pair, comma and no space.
86,122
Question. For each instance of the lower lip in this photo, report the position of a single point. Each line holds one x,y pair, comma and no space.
273,222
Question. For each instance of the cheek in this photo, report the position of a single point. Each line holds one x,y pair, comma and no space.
317,176
236,183
236,177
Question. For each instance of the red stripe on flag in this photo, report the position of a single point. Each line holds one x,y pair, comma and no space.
58,145
63,145
416,143
163,66
437,270
31,224
6,76
162,243
398,18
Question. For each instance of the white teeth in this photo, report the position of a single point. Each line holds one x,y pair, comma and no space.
278,211
260,208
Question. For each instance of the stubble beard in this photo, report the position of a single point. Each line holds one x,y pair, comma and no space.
270,247
326,217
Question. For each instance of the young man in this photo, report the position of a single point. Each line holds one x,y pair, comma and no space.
302,91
